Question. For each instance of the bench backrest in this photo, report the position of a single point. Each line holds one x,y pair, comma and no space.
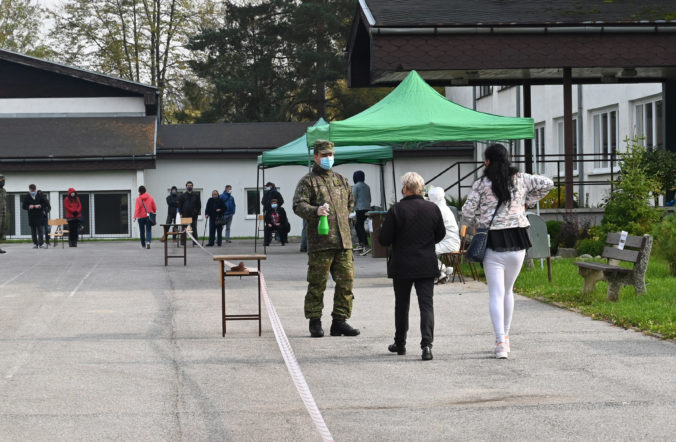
636,249
57,222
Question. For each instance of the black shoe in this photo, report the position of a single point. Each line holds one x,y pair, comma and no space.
396,348
427,353
209,245
339,327
2,251
316,330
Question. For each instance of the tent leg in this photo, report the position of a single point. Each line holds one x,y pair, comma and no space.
382,185
258,175
394,182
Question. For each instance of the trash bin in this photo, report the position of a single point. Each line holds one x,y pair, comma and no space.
377,249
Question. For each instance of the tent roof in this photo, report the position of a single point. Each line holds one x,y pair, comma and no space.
415,112
296,153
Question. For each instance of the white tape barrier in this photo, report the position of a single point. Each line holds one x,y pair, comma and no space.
289,357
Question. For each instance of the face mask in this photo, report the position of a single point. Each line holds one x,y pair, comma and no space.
2,184
326,163
228,192
269,187
189,188
274,206
72,195
173,192
33,194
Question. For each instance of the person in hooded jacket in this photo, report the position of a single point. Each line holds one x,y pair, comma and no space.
271,193
37,205
412,227
451,242
145,205
73,208
172,205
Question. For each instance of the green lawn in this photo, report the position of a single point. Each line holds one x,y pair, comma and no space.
654,312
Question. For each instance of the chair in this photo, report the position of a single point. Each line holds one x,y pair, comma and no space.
454,259
260,227
56,230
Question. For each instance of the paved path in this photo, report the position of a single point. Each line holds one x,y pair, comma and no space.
103,342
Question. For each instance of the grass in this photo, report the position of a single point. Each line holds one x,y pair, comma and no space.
653,313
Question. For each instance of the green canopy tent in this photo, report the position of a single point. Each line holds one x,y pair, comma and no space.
298,153
414,112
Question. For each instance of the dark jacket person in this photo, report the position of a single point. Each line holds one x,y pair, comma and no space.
412,227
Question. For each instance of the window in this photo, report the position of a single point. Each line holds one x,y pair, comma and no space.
604,133
253,201
111,213
484,91
502,88
562,145
539,146
649,123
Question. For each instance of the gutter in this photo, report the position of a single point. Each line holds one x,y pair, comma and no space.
75,159
588,29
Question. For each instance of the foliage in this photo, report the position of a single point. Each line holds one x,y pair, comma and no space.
661,164
653,312
664,241
20,22
628,206
589,246
457,203
138,40
556,198
554,229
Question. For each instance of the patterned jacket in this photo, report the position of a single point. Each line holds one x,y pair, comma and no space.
481,202
313,190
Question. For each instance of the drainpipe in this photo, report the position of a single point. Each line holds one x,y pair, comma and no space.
580,147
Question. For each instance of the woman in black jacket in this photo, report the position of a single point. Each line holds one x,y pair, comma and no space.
215,209
276,221
412,227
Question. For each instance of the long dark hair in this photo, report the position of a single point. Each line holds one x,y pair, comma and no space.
500,171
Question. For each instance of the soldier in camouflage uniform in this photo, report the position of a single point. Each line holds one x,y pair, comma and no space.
327,253
3,208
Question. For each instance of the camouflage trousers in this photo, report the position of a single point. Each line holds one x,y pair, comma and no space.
340,263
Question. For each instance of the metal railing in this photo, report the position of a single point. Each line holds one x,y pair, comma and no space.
466,172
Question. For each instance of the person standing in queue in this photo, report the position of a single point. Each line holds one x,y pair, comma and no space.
327,253
73,208
412,227
3,209
190,206
362,200
230,208
497,201
214,212
35,203
145,206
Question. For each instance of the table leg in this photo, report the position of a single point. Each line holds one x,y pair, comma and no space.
223,296
166,249
259,299
185,248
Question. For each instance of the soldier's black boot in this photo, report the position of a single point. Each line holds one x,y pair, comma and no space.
399,349
339,327
316,330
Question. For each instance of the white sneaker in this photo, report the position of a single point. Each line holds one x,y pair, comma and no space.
501,351
507,343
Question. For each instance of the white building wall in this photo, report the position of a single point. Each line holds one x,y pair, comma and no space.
547,111
69,107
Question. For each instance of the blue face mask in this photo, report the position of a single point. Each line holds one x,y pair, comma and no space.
274,206
326,163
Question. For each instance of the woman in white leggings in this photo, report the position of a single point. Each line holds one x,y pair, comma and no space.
498,201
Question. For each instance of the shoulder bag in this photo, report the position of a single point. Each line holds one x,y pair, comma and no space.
152,219
477,247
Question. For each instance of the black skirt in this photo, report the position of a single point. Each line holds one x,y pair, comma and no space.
509,240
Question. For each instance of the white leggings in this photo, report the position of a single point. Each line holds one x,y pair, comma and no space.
501,269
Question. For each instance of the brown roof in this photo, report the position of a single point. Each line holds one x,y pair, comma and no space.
407,13
77,138
224,137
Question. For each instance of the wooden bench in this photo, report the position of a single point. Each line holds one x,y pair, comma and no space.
636,250
56,231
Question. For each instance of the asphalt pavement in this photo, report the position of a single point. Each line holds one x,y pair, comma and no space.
103,342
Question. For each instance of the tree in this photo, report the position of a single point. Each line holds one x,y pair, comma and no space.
20,22
245,63
138,40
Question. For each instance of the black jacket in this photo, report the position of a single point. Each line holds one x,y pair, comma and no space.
283,220
189,204
212,207
172,204
270,195
412,227
36,217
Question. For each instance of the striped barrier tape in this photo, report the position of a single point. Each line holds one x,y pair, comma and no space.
288,355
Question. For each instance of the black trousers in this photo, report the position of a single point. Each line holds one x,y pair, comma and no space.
268,234
359,226
38,234
73,231
424,288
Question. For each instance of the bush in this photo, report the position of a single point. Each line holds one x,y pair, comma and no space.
593,247
552,200
628,206
456,203
664,241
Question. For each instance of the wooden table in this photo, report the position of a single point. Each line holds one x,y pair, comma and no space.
181,233
247,272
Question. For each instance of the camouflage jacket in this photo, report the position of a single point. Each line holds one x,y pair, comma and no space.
313,190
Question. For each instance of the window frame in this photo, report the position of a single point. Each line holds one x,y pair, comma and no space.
656,127
601,134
